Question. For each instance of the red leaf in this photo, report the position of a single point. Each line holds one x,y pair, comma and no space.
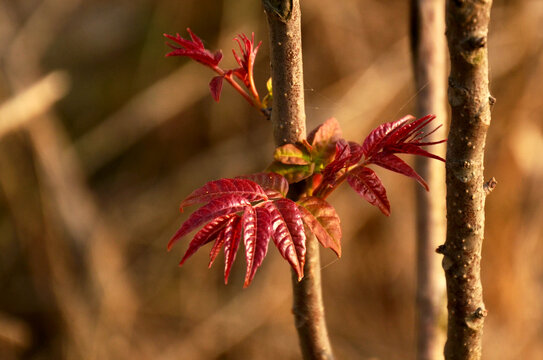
282,238
293,218
413,149
232,237
343,159
193,49
403,132
275,185
374,141
215,86
249,238
263,234
394,163
323,139
323,221
366,183
217,207
343,153
244,188
205,235
247,59
217,245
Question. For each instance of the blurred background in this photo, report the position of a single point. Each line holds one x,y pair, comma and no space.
101,137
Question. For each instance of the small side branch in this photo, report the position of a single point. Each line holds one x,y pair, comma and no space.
490,185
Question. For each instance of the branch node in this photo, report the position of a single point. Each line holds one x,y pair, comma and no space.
441,249
480,313
490,185
491,100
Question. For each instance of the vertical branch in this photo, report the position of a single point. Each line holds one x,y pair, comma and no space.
288,118
428,51
470,100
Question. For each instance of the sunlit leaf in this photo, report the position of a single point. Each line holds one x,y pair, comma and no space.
323,139
215,208
206,234
293,173
292,155
232,237
275,185
323,221
394,163
366,183
244,188
374,141
293,219
263,235
249,237
283,239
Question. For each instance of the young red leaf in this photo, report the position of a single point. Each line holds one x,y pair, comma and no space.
193,49
366,183
247,59
205,235
292,155
293,218
263,235
283,239
413,149
394,163
328,131
293,173
343,159
249,237
323,139
409,129
275,185
323,221
374,141
217,207
215,86
217,245
244,188
232,237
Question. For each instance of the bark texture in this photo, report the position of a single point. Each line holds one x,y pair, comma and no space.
288,118
470,100
428,51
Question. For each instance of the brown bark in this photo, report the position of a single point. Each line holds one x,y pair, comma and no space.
470,100
428,51
288,118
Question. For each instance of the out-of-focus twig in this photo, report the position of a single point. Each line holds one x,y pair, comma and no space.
14,331
34,101
428,52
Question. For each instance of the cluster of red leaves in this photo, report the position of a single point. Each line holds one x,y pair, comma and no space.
350,160
254,208
195,49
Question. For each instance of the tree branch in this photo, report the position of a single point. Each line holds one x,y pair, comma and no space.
288,119
469,97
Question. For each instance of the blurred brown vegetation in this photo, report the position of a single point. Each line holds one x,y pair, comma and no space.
101,137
